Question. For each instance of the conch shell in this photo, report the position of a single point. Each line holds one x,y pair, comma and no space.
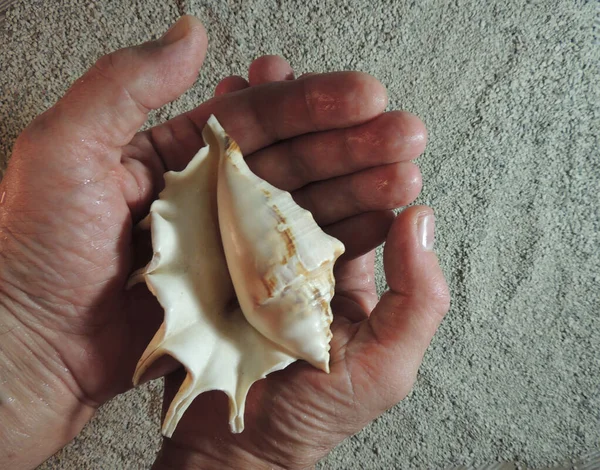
245,277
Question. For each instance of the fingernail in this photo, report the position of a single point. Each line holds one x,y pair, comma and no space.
425,230
175,32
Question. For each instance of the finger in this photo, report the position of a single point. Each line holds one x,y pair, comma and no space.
260,116
231,84
307,74
362,233
405,320
269,68
392,137
379,188
105,107
355,293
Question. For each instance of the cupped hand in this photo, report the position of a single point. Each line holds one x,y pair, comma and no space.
347,177
81,176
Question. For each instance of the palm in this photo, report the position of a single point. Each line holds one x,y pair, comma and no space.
82,240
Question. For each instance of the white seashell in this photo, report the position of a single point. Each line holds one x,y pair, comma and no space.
220,232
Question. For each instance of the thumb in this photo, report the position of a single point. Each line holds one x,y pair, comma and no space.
402,325
111,101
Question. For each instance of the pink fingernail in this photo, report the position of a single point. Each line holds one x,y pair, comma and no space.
426,230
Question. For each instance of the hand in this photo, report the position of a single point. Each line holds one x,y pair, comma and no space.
296,416
80,178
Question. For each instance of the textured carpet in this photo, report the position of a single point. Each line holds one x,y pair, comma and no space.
510,94
4,5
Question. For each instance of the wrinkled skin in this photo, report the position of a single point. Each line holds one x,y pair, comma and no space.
81,176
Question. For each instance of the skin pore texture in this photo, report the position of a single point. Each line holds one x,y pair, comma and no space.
81,176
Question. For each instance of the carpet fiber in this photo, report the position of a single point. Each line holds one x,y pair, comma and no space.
509,92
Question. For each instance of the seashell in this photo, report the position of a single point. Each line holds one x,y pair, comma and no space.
244,275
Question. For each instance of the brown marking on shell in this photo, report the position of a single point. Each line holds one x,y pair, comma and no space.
288,236
231,145
301,269
324,306
269,283
320,300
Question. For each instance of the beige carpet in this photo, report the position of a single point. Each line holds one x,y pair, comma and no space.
509,91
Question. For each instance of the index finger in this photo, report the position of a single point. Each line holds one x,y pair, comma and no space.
262,115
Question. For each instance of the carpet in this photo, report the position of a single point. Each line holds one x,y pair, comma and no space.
509,92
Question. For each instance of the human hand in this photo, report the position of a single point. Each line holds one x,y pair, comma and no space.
296,416
80,177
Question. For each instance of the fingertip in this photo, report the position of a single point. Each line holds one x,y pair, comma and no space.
333,97
269,68
199,34
111,101
373,90
405,133
231,84
415,132
414,182
408,217
156,72
403,236
404,184
186,41
186,25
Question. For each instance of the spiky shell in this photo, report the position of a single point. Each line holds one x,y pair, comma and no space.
244,275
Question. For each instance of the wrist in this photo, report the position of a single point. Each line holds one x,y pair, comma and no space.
214,457
39,414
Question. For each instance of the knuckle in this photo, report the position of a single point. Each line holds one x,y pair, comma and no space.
105,65
310,104
111,67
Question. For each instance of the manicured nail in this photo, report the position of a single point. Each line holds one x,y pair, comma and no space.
175,32
425,230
